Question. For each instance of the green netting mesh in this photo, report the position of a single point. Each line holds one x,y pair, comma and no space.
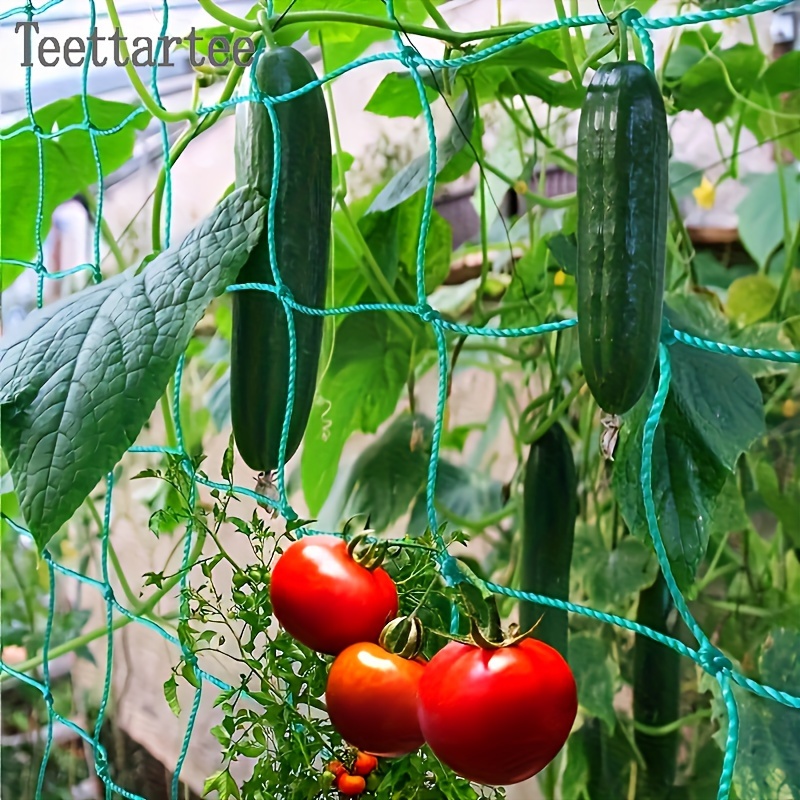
711,660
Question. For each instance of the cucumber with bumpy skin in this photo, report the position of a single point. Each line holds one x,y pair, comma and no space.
622,224
260,339
550,506
656,693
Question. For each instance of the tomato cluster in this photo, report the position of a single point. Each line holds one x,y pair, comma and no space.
357,779
494,714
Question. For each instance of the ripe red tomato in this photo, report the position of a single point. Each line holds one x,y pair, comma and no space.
325,599
497,716
336,768
364,764
372,700
350,785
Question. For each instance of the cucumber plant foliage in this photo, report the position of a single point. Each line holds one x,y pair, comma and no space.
80,378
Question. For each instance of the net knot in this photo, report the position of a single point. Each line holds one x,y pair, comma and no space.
48,699
108,593
100,762
448,569
713,661
667,333
427,313
37,129
284,294
288,513
631,16
409,57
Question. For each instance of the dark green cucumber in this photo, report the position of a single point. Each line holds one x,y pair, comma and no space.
623,190
656,694
260,340
549,510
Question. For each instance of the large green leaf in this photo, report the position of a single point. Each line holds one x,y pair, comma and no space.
704,309
469,494
360,390
397,96
751,298
414,176
761,213
713,414
699,81
768,758
80,378
596,674
389,474
612,578
778,89
542,55
68,167
553,92
781,75
438,247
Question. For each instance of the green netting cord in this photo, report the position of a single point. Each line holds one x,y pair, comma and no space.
705,655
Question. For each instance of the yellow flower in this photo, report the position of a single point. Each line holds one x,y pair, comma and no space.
705,193
790,408
560,277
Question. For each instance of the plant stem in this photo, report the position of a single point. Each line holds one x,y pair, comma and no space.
580,42
687,242
740,608
435,15
623,39
564,201
266,28
23,588
484,221
555,416
478,524
198,127
140,610
219,14
671,727
123,581
372,271
566,41
788,269
169,423
594,57
494,348
337,141
145,96
105,230
442,34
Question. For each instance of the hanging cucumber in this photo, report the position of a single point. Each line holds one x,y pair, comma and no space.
260,340
622,224
549,510
656,694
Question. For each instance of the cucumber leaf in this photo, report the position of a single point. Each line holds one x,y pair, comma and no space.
761,216
68,166
388,475
767,759
414,176
397,96
713,414
596,674
81,377
359,391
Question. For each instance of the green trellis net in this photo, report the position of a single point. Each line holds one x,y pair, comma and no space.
710,659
